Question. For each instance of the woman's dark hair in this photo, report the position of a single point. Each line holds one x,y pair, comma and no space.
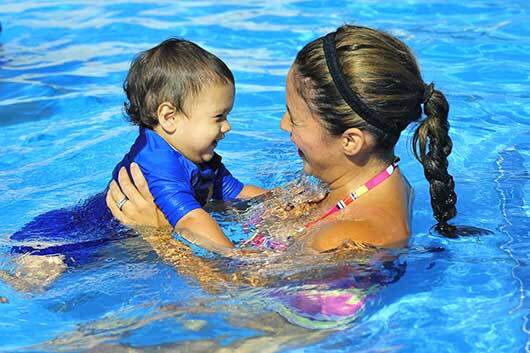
383,73
173,71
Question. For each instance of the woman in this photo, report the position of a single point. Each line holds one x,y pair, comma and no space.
349,95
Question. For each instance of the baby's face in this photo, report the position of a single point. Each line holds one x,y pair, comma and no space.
207,122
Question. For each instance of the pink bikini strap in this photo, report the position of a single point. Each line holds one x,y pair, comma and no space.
363,189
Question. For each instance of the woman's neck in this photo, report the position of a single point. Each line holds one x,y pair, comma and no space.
353,177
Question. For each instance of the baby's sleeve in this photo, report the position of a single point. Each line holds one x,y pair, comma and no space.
170,184
226,186
174,197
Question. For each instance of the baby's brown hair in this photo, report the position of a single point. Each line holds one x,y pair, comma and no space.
173,71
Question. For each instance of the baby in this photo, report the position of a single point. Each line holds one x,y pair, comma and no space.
180,96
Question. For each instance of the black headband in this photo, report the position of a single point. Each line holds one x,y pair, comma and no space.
353,100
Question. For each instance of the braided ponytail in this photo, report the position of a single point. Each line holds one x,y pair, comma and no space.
433,132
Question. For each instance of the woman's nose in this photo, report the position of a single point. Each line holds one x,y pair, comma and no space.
285,124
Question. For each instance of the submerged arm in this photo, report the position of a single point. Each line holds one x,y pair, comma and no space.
181,257
141,212
208,272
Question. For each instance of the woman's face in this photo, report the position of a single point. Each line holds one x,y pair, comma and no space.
319,151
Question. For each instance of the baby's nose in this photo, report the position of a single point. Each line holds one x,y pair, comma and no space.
226,126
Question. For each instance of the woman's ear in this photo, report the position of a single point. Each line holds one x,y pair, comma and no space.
353,141
167,117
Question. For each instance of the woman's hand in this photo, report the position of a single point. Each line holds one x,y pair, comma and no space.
139,207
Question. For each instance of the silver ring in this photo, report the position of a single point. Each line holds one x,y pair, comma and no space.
121,203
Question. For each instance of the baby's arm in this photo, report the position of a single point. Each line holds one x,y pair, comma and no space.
200,228
197,226
250,191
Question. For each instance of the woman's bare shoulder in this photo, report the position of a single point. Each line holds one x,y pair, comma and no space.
336,233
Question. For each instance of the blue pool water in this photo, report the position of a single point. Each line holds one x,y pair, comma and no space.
62,131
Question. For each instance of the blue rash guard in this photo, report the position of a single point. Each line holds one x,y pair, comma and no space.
177,184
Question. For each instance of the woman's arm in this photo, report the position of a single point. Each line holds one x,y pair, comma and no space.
181,257
141,212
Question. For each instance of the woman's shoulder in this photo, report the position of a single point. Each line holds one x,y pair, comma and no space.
380,218
333,234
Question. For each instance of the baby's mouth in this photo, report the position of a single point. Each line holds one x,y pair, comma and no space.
216,141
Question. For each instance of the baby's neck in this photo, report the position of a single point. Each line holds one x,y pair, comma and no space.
169,139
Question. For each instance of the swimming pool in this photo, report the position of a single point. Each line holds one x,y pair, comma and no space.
61,70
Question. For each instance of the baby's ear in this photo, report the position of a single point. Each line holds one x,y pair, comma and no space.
167,117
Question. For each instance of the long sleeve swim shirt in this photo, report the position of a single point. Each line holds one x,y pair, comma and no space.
178,185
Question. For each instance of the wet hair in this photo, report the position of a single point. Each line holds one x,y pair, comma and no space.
174,71
383,74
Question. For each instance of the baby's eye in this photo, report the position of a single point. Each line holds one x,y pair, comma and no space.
221,117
